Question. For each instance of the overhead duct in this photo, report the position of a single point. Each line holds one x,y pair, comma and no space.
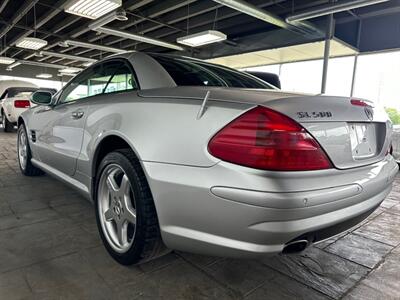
328,9
140,38
94,46
118,14
261,14
98,25
45,65
67,56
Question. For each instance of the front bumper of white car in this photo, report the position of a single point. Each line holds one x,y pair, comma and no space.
229,210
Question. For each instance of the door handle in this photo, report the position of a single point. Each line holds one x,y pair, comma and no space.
77,115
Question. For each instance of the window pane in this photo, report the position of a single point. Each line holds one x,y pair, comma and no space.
187,74
122,80
302,76
340,74
90,83
233,78
377,78
190,72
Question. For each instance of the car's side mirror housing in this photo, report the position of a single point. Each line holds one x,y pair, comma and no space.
42,97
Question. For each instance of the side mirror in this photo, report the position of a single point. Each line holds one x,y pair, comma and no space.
42,97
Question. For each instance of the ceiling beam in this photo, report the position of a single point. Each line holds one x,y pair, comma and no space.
39,23
135,4
3,5
19,14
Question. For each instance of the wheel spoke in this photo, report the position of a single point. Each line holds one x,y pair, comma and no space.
130,215
109,214
111,184
122,232
124,183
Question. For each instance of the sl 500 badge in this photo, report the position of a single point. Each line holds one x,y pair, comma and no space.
314,114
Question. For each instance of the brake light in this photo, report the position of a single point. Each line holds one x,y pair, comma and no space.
358,102
265,139
22,103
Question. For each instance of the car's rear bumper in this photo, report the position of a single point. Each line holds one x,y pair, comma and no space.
13,115
235,211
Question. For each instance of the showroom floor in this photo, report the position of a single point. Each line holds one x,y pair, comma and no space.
50,249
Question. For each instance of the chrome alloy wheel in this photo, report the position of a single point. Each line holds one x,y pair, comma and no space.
117,210
22,149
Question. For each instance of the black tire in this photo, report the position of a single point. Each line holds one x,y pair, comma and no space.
147,243
29,170
7,125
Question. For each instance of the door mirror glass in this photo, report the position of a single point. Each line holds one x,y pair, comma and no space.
42,97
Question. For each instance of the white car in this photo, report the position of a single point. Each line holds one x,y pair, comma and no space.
13,102
11,90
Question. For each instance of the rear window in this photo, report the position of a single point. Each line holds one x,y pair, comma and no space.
23,94
190,72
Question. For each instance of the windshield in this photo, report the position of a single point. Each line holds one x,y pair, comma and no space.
191,72
20,92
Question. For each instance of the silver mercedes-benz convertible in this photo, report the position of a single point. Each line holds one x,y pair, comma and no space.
177,153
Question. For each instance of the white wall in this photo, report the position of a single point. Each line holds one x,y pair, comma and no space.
39,82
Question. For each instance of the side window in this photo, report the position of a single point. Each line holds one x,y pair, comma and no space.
89,83
122,80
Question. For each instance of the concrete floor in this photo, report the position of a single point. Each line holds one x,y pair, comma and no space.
50,249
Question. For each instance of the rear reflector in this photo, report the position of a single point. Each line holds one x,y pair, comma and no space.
22,103
265,139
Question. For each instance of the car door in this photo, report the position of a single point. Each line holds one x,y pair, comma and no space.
58,130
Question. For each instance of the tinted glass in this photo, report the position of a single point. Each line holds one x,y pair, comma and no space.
187,71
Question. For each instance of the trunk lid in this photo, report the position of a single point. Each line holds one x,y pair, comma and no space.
351,135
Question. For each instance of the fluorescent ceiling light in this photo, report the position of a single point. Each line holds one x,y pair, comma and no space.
87,64
92,9
138,37
70,70
6,60
13,65
65,74
94,46
44,76
202,38
31,43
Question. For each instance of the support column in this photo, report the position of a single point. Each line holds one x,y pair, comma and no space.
353,80
328,37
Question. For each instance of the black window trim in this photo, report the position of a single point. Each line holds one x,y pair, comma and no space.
121,59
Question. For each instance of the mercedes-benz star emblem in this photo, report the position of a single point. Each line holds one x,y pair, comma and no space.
369,112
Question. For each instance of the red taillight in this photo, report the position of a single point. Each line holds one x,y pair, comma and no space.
358,102
22,103
265,139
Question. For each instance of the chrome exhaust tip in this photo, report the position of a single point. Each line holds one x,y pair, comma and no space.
295,247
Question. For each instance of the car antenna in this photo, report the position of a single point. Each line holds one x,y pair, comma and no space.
203,105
